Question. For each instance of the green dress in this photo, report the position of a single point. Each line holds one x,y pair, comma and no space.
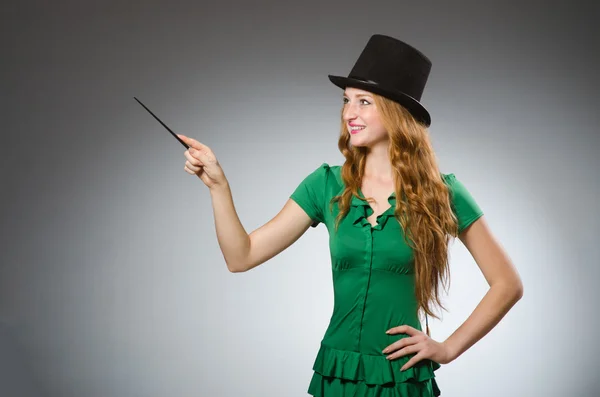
373,283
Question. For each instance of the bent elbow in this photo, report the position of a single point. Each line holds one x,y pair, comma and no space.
511,290
236,268
516,290
519,291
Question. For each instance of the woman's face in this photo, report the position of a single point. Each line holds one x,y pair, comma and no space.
360,111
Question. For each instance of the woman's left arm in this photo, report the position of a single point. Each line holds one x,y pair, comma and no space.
505,289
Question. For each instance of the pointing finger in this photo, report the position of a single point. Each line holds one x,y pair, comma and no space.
197,145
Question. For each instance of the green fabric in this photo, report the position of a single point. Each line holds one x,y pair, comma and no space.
374,290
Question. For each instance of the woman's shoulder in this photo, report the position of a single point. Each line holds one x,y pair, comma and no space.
333,171
326,169
326,176
453,182
454,185
460,194
448,178
463,202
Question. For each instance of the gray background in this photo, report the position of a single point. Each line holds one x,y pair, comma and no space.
111,279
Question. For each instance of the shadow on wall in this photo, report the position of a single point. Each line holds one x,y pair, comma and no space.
16,375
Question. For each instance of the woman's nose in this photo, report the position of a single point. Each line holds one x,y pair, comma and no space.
349,112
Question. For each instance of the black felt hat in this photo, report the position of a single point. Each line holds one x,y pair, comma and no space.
393,69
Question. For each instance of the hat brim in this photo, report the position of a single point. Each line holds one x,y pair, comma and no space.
411,104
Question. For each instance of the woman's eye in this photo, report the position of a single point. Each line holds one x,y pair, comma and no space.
364,101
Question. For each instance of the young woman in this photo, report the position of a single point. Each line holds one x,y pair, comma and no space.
390,214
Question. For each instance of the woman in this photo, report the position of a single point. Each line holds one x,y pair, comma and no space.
388,256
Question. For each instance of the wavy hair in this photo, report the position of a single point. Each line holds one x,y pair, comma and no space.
424,212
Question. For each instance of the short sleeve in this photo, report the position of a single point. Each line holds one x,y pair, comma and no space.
464,205
310,194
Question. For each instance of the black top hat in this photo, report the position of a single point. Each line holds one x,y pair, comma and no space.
393,69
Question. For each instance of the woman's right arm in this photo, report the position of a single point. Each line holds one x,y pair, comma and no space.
243,251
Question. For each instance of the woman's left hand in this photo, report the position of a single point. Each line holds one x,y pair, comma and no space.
418,342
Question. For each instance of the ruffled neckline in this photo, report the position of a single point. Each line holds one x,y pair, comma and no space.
361,210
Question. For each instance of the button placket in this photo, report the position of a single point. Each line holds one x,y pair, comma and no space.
369,255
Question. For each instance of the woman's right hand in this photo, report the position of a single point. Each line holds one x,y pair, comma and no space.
202,162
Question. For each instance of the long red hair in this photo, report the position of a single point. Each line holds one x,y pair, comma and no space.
425,213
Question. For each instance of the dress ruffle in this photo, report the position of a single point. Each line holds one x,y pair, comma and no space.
342,372
372,369
322,386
